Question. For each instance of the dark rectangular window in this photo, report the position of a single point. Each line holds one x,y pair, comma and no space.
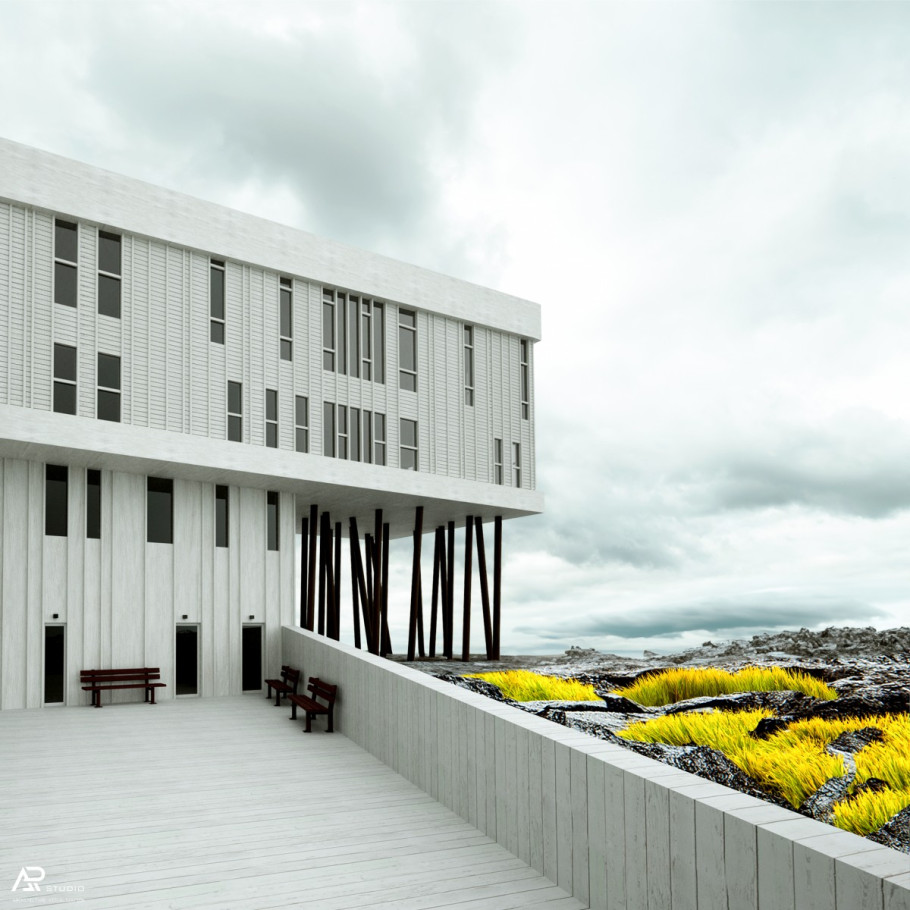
525,380
469,365
366,444
93,504
108,387
378,343
328,429
352,335
516,463
216,300
286,329
354,434
497,461
66,246
54,655
379,439
408,442
328,331
64,379
354,345
221,516
160,510
109,274
302,424
342,431
407,350
341,333
272,519
271,418
56,500
235,411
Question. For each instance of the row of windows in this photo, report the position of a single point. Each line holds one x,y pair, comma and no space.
353,433
108,377
159,508
353,335
66,268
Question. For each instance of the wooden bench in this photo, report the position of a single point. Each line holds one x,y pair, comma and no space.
317,689
95,681
287,685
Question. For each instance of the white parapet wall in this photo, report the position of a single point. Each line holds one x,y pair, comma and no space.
616,830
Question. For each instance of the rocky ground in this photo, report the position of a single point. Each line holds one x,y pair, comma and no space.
869,669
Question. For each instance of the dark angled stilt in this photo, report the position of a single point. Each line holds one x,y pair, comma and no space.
497,583
371,600
449,611
311,573
378,580
484,587
336,612
466,619
386,640
415,583
304,546
438,551
421,640
355,600
324,564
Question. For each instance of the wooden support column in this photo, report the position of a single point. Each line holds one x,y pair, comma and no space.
497,583
377,580
421,641
325,564
369,610
438,556
449,606
386,640
466,618
415,583
311,573
358,581
336,611
304,546
484,587
355,605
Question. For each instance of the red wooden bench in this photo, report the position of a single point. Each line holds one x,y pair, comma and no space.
317,689
287,685
95,681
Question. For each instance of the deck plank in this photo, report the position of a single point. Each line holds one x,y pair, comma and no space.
223,803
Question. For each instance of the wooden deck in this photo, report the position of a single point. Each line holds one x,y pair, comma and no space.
224,803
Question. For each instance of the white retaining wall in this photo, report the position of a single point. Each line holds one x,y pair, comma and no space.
615,829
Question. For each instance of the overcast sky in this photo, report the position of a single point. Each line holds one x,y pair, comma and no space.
710,201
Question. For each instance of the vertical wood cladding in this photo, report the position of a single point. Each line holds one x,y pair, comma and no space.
175,378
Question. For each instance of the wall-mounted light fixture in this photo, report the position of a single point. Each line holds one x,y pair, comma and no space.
184,616
252,615
55,616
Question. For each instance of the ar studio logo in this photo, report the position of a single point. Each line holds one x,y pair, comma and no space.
29,879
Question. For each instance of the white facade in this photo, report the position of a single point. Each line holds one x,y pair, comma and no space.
120,596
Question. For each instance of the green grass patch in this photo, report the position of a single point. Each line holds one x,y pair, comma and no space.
525,685
667,687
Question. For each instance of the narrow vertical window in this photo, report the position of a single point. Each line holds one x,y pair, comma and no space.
93,504
66,246
160,510
379,439
64,379
366,341
328,429
469,364
407,350
286,328
328,330
354,434
108,407
272,519
378,343
525,386
54,664
222,516
341,331
235,411
497,461
516,463
354,341
366,443
271,418
302,424
342,431
56,500
109,274
216,300
408,444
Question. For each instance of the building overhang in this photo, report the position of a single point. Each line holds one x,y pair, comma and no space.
344,488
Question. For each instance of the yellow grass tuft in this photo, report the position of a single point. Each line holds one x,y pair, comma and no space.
525,685
667,687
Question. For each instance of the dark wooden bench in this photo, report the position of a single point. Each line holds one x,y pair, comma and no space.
287,685
95,681
317,689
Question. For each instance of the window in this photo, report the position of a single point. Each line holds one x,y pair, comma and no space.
408,444
56,499
353,329
407,350
221,516
354,434
93,504
108,387
64,379
367,437
302,424
272,519
271,418
525,396
109,274
342,431
516,463
379,439
469,364
66,246
328,429
286,328
497,461
216,300
160,510
235,411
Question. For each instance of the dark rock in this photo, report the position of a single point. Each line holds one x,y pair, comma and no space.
895,833
768,726
872,701
783,702
620,704
854,740
872,785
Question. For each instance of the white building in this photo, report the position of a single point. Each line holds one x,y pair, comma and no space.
183,385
